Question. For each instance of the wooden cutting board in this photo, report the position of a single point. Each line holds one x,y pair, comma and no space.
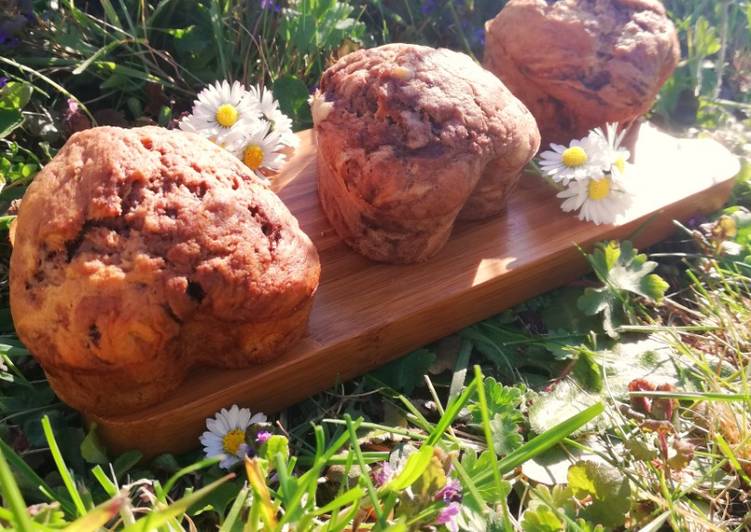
366,314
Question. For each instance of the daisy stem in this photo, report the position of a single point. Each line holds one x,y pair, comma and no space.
363,467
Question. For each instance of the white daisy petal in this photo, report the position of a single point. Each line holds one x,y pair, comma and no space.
257,418
226,434
206,119
243,418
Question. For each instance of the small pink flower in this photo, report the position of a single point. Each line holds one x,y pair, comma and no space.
262,437
451,492
383,474
448,515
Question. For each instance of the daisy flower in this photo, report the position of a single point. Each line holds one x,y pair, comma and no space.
614,155
259,149
226,434
599,200
269,110
579,160
220,110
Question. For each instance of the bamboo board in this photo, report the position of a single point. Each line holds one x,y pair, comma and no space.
366,314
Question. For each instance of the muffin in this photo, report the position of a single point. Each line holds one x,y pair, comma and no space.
578,64
410,137
141,253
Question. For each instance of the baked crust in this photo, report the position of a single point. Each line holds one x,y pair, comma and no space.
578,64
405,133
141,253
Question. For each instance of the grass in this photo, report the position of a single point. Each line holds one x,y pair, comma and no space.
555,415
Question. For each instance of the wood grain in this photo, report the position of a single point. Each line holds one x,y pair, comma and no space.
366,314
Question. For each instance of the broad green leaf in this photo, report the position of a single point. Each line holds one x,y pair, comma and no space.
541,519
623,272
609,490
540,516
504,400
92,449
406,373
587,370
125,462
552,407
10,119
506,435
15,95
293,94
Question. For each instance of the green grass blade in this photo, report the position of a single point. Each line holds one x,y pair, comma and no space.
159,518
369,484
52,83
549,438
695,396
732,459
234,511
460,370
216,27
452,410
206,462
416,465
111,14
24,469
545,441
104,50
480,385
99,516
13,498
104,481
70,484
348,497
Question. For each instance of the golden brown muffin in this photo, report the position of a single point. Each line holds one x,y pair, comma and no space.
578,64
408,136
141,253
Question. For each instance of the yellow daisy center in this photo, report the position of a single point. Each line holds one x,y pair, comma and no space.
253,156
574,156
620,164
226,115
233,440
598,188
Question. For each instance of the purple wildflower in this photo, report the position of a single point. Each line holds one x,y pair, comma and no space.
270,4
262,437
383,474
451,492
478,36
447,516
3,81
427,6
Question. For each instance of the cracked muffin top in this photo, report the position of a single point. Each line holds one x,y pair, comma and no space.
155,228
596,61
391,120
